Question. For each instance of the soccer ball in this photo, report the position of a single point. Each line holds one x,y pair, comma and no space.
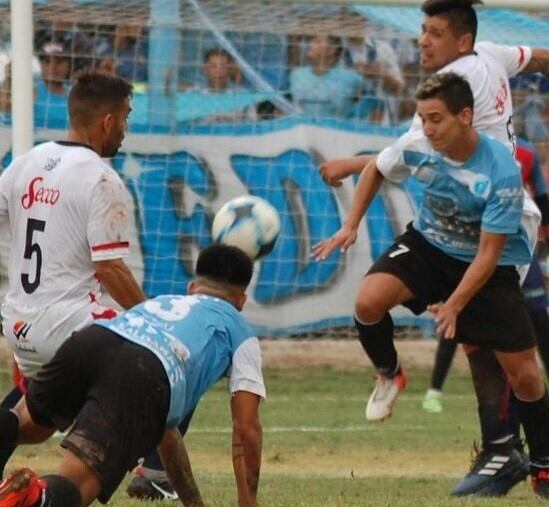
249,223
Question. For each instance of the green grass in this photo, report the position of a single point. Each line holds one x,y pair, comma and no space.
319,452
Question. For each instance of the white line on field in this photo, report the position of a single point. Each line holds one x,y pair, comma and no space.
276,398
303,429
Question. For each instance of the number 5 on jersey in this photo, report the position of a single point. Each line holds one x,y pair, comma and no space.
32,249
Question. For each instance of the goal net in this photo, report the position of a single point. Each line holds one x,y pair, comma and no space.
250,97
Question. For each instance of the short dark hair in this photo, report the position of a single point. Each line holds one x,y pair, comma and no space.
218,52
96,91
461,15
225,264
451,88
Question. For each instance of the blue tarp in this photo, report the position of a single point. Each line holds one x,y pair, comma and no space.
502,26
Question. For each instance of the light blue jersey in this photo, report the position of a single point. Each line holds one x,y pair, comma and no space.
331,94
198,339
460,200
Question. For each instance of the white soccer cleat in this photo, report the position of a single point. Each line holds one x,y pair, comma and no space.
385,394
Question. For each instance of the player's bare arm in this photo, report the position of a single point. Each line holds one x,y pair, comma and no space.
539,62
247,444
483,266
333,171
178,467
368,185
118,281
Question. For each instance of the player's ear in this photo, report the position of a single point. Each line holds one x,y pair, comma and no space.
240,301
191,287
465,43
107,123
466,116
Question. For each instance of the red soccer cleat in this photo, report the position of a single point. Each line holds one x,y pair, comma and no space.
22,488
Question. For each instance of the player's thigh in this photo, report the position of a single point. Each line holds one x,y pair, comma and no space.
379,292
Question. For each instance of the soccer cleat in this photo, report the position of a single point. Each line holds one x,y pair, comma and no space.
432,402
384,396
493,473
22,488
540,479
143,488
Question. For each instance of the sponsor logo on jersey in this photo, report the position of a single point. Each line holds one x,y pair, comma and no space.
37,193
51,164
20,329
501,97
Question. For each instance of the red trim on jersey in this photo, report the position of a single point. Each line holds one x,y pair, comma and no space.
108,313
111,246
522,56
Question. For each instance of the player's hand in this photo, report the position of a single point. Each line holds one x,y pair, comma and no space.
445,319
342,239
333,171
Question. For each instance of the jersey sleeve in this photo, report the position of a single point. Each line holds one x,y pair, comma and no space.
5,185
398,161
513,58
246,373
503,212
108,221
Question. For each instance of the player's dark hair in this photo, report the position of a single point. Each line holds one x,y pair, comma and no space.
225,264
96,92
461,15
451,88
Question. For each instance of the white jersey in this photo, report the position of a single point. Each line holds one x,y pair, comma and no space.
66,208
488,70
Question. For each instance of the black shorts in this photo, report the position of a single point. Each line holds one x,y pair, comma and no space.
116,393
496,318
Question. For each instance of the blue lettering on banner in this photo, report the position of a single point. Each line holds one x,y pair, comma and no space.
309,213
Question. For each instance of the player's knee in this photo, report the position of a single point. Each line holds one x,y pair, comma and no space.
367,311
62,492
527,384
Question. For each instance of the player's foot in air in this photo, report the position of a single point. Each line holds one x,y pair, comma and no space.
432,402
22,488
494,473
146,488
384,396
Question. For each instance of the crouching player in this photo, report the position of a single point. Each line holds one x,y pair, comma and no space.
122,386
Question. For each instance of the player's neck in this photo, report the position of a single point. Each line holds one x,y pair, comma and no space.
465,149
80,137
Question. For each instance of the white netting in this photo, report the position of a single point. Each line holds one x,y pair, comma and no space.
261,124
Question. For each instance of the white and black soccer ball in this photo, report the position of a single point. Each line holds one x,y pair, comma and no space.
249,223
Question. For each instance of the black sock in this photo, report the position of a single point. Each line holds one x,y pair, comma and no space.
498,423
377,342
7,437
446,350
534,416
60,492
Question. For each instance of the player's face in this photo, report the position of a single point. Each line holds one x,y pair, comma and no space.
118,125
439,45
444,130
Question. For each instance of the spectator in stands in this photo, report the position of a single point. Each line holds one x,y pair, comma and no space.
60,55
324,88
125,54
376,61
222,76
51,89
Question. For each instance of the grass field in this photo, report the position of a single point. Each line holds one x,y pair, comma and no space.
319,452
